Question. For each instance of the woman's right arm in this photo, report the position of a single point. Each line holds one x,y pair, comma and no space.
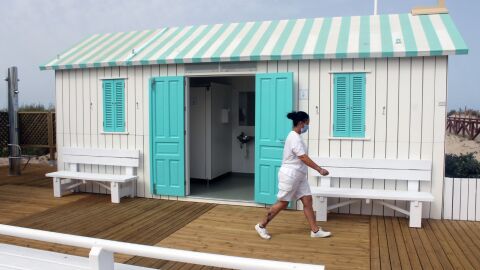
310,163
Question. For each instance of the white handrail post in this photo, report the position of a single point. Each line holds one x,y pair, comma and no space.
101,259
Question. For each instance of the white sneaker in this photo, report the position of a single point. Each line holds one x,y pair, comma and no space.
320,234
262,232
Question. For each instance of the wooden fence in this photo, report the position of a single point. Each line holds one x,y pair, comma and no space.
3,129
465,126
36,130
461,199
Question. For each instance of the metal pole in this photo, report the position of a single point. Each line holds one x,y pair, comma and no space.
375,7
14,157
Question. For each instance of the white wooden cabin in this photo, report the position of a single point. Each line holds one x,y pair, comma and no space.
401,60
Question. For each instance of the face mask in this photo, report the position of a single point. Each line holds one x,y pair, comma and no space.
304,129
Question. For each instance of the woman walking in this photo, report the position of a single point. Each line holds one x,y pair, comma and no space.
292,178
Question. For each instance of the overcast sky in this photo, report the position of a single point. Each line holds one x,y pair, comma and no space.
34,31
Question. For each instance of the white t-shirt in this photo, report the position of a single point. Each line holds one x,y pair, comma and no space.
291,164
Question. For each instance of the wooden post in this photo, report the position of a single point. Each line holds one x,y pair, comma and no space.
51,145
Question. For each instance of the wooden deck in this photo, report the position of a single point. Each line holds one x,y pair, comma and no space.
359,242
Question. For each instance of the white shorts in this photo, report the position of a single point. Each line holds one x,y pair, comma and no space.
290,188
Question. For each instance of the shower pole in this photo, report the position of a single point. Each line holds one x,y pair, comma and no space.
14,153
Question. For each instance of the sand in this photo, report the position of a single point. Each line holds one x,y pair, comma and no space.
459,145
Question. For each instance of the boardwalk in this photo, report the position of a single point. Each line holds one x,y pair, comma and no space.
359,242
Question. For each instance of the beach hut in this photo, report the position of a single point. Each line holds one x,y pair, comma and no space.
206,105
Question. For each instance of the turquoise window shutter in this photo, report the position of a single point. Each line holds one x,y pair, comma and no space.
357,105
108,106
114,105
341,104
119,106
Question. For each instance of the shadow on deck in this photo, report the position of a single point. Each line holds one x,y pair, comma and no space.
359,242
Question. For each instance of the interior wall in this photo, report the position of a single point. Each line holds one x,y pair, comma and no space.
221,132
197,131
242,159
210,135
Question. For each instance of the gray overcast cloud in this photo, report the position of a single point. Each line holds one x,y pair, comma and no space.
34,31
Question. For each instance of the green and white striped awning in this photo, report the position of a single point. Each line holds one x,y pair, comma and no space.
401,35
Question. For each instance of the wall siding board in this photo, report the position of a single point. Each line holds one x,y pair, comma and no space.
461,199
477,207
428,116
59,113
447,198
87,109
392,115
472,189
456,199
80,113
313,112
346,145
370,112
399,85
438,155
335,145
303,83
380,122
404,83
147,74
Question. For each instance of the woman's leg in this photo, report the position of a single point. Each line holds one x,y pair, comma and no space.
273,211
308,211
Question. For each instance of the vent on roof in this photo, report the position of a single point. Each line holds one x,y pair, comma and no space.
236,67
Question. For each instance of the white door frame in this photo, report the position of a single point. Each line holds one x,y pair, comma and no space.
187,116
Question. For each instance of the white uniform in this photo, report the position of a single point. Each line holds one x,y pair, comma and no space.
292,176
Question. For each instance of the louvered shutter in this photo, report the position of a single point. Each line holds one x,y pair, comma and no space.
357,105
119,86
108,106
341,121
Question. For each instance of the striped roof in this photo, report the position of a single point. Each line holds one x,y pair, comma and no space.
396,35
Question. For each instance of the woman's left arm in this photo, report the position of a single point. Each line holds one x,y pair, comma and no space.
310,163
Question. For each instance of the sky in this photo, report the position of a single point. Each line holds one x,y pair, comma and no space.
34,31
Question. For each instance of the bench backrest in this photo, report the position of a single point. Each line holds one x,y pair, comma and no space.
111,157
389,169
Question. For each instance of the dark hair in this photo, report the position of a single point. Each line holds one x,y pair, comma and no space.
297,117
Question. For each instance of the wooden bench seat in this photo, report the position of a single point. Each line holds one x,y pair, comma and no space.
93,176
373,194
120,184
412,171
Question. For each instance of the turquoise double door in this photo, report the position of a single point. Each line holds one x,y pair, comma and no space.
273,100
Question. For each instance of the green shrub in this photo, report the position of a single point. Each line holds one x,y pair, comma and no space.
462,166
3,152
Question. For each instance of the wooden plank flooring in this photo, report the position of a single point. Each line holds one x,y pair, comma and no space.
33,175
439,244
229,230
358,242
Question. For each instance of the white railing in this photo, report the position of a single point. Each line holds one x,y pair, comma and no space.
101,254
461,199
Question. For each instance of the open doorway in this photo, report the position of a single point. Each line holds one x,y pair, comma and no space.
221,137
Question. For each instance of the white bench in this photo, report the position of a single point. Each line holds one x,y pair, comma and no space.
120,184
412,171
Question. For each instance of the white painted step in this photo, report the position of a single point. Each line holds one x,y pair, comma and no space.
21,258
